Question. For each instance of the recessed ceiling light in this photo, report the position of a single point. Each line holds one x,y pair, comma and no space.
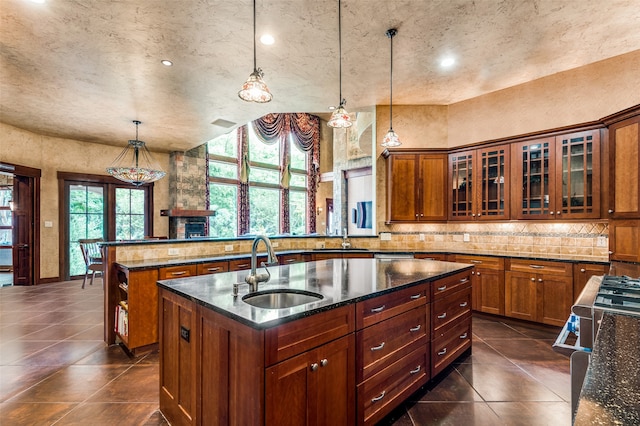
166,62
267,39
331,108
447,62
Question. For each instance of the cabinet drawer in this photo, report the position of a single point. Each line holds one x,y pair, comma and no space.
292,338
371,311
212,267
449,346
447,310
431,256
244,263
288,259
382,392
442,288
176,272
540,267
484,262
384,343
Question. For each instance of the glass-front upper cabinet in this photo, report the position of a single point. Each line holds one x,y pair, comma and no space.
558,178
479,184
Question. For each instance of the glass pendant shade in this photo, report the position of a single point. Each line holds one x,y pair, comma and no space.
135,165
340,118
255,89
390,140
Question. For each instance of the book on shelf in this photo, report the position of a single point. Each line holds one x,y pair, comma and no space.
122,321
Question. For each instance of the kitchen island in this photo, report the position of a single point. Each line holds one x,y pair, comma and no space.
381,329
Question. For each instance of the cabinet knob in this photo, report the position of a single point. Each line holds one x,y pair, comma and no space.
478,274
314,366
473,273
551,213
421,214
473,215
583,270
610,211
558,212
324,362
533,279
479,214
539,280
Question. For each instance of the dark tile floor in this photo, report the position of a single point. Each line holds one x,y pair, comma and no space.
56,369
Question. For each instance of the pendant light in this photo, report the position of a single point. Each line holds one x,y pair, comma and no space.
391,140
255,89
340,117
142,169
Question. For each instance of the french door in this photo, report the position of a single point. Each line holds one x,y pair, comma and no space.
100,207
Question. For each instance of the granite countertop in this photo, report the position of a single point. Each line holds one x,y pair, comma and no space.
339,281
180,260
611,391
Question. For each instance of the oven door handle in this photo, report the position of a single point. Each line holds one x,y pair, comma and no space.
562,347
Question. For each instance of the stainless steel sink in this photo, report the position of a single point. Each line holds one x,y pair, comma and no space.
281,298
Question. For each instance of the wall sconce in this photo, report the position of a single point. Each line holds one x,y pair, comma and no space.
319,211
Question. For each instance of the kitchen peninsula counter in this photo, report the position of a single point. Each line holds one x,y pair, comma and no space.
611,391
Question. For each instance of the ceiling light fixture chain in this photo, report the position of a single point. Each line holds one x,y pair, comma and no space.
134,174
340,117
255,89
391,139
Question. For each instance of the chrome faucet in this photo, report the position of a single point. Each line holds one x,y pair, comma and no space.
345,244
254,278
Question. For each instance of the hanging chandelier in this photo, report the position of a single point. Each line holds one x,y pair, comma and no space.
391,140
255,89
142,169
340,117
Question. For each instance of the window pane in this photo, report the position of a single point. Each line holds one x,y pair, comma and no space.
298,180
258,174
137,201
297,212
129,214
225,145
264,205
123,201
223,199
261,152
298,157
95,200
77,199
137,227
222,169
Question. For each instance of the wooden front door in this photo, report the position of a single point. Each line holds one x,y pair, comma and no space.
23,230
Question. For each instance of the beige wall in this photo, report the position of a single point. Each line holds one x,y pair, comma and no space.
53,155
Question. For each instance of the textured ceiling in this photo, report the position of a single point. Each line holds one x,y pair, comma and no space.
84,69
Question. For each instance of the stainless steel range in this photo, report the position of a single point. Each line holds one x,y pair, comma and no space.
610,293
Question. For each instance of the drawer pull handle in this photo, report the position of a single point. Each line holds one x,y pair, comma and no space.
464,336
416,296
443,288
324,362
416,328
378,309
536,266
213,269
443,316
464,280
378,398
476,261
377,348
442,352
463,304
179,273
415,370
290,260
242,265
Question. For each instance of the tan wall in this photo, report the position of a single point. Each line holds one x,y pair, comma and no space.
52,155
577,96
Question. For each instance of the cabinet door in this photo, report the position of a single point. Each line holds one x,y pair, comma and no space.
402,175
493,183
432,187
624,147
557,298
578,172
490,297
461,194
521,295
582,272
533,167
624,240
316,387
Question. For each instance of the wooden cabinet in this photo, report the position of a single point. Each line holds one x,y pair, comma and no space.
487,283
539,291
557,177
172,272
479,184
212,267
624,161
314,388
450,319
416,186
430,256
582,272
624,240
392,358
288,259
244,263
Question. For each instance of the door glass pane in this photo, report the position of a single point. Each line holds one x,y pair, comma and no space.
223,199
130,218
577,178
86,220
535,178
264,204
